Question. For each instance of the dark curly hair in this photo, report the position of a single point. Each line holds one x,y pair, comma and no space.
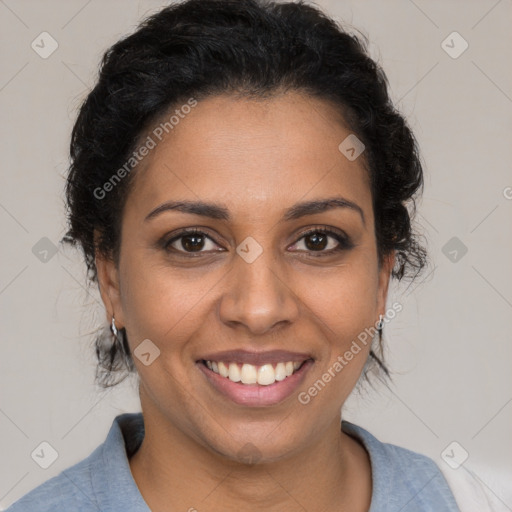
250,49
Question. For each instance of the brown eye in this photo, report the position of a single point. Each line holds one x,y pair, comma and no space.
324,241
316,241
190,241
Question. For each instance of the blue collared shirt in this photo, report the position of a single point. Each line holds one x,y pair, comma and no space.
403,481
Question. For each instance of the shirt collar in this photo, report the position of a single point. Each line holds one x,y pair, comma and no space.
113,481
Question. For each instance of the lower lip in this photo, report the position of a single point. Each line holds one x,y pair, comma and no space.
256,395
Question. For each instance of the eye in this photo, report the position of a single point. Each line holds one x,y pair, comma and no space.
190,241
324,241
316,240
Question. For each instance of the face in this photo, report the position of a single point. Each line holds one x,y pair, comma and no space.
263,280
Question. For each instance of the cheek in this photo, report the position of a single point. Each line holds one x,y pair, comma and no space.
159,302
342,311
343,298
342,306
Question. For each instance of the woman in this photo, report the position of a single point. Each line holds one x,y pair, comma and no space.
239,186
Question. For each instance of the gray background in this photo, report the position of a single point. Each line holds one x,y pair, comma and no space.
449,347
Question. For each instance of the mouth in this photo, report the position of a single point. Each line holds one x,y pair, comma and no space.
255,379
245,373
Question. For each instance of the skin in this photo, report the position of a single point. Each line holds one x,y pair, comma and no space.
256,158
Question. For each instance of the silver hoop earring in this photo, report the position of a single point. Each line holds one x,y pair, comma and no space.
113,328
380,325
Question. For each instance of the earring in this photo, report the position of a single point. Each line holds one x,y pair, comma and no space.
380,325
113,329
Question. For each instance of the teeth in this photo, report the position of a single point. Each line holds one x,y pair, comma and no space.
280,372
266,375
234,372
249,374
223,369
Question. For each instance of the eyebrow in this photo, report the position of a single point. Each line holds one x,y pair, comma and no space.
219,212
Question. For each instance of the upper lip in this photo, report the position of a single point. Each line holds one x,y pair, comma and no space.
257,358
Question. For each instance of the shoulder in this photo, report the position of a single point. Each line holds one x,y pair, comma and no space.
403,479
71,490
412,478
102,481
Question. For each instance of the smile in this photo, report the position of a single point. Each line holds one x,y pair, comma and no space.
255,379
264,375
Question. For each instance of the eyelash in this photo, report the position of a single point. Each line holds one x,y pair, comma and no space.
344,242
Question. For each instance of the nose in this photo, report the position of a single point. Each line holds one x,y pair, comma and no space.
258,297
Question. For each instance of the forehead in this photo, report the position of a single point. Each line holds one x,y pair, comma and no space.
252,154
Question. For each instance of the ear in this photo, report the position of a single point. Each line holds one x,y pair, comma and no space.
108,283
383,285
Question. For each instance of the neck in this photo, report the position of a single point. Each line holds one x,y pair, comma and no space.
175,472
